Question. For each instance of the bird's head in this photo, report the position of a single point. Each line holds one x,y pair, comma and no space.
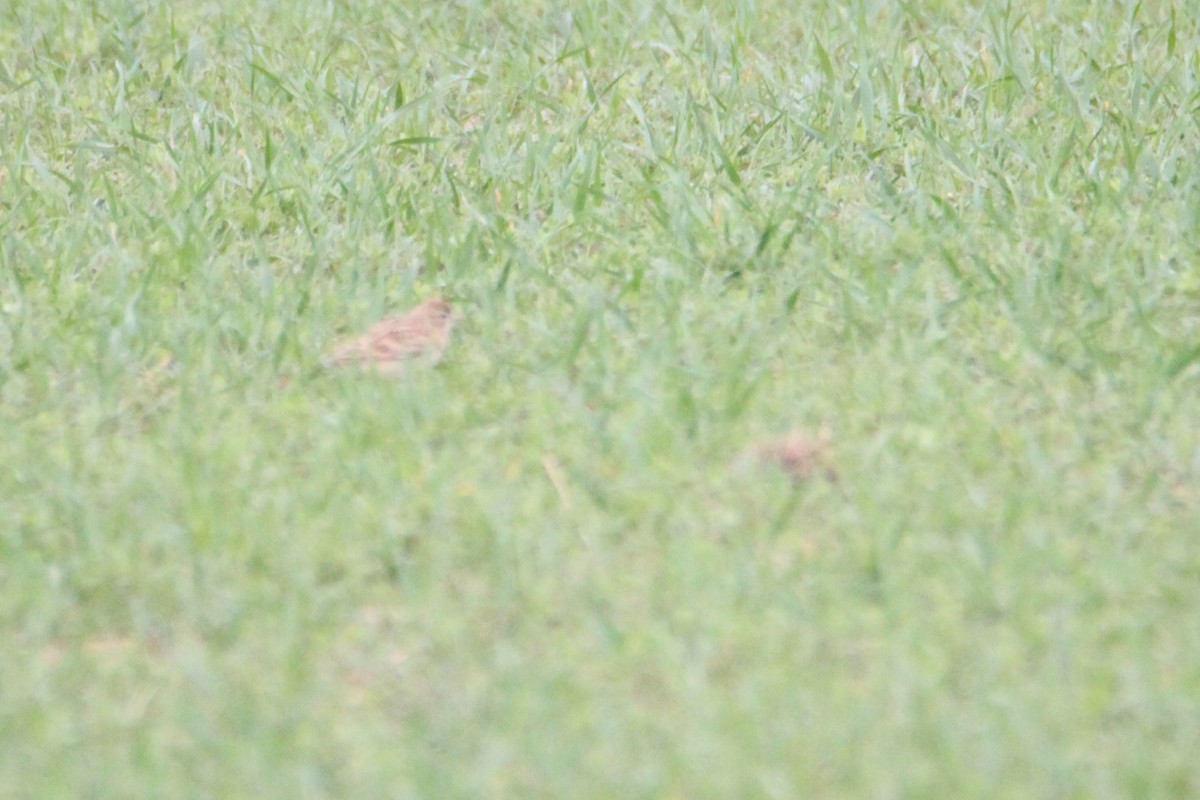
439,312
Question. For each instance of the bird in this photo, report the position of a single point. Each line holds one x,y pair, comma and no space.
800,455
388,346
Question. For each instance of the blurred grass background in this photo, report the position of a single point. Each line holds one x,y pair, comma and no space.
963,237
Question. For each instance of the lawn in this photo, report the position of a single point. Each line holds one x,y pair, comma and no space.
961,242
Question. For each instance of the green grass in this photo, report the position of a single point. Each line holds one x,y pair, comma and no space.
965,239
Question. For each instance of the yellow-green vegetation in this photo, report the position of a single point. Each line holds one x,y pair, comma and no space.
962,238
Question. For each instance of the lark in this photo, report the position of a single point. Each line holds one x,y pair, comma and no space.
389,346
800,455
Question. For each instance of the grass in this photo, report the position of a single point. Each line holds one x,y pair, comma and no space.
963,238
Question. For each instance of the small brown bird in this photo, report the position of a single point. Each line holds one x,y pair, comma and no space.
388,345
801,455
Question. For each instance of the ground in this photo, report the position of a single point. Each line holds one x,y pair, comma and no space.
955,246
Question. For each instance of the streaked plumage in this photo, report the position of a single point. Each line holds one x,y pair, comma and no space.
387,346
